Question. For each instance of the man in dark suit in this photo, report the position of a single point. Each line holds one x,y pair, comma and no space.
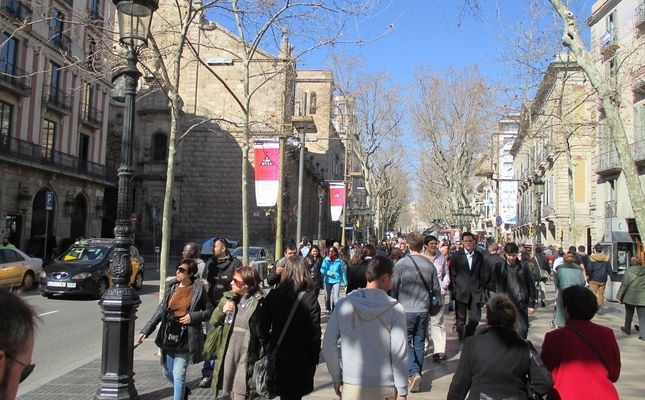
468,280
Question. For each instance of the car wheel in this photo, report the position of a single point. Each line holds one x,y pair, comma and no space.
138,281
101,287
48,295
28,281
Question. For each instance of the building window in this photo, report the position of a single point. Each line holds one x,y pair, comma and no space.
48,139
312,103
639,123
57,25
91,53
160,147
8,55
6,113
341,108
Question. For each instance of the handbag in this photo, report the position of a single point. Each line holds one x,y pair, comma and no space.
536,362
213,342
174,333
435,307
264,372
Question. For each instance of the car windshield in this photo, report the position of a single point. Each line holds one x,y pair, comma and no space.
84,253
253,252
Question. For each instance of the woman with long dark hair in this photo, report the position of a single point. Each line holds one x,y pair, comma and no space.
356,272
297,356
237,314
314,261
186,306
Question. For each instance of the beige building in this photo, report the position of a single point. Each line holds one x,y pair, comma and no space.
53,96
556,136
617,38
208,181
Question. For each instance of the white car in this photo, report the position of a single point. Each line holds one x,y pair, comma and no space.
259,258
17,269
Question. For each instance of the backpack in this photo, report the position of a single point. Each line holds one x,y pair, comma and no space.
534,269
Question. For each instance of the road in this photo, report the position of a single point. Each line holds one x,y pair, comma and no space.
70,334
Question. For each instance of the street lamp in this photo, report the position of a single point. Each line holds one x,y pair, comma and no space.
303,125
538,188
120,302
321,196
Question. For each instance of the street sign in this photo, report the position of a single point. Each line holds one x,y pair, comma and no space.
157,249
154,213
49,201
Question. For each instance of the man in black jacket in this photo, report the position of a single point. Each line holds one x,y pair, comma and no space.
514,279
468,285
598,272
276,272
493,259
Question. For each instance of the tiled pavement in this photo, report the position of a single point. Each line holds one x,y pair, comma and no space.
82,382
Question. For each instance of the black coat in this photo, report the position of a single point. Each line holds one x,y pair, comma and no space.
314,268
496,362
490,262
466,282
219,276
200,310
356,276
521,294
299,351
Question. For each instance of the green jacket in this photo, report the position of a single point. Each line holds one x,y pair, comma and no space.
632,288
254,348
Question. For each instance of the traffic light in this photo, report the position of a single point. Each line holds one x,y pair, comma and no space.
358,223
530,230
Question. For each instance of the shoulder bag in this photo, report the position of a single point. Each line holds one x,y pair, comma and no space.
174,334
536,361
264,369
435,307
591,346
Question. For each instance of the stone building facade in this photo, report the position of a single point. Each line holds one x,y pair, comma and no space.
207,190
53,96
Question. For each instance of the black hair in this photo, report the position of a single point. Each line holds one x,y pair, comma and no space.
18,322
377,267
511,248
429,239
192,266
579,302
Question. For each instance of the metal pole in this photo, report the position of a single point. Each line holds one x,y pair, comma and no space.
46,234
278,206
120,302
344,217
539,217
320,204
301,177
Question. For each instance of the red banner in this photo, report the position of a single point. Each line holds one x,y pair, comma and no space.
267,171
336,199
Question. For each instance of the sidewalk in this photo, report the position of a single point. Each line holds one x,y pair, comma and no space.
83,382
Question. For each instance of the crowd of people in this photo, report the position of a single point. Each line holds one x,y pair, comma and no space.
397,295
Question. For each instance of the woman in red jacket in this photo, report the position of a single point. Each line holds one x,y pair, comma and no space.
583,357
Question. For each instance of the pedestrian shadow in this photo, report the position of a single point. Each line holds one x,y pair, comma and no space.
157,394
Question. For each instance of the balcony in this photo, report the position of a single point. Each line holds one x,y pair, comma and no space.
57,100
33,154
15,80
609,43
610,209
607,163
63,42
17,10
90,116
638,80
638,152
70,3
95,18
639,17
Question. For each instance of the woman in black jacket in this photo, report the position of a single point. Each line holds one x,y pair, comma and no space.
298,355
187,303
496,363
314,261
356,272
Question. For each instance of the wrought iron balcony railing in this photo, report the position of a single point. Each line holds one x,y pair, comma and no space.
56,98
61,41
17,10
30,152
15,78
91,115
607,162
639,15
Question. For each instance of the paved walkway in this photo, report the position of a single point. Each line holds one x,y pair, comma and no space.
83,382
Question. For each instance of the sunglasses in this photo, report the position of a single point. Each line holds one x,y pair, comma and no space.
182,270
238,283
27,370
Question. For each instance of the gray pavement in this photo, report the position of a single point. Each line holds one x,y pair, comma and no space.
82,381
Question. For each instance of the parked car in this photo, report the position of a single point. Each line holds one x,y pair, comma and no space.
85,269
260,258
17,269
207,247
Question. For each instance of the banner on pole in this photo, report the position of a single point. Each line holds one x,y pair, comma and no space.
336,199
267,171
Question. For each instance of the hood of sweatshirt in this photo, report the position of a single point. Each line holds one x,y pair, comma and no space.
370,303
599,257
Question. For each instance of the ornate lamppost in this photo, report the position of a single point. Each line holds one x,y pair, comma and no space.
120,302
538,187
321,196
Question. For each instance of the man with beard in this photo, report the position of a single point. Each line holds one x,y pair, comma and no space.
16,343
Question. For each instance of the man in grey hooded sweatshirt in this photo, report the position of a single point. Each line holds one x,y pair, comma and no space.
372,327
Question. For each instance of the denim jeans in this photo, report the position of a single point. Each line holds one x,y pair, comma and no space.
174,368
332,291
417,324
209,365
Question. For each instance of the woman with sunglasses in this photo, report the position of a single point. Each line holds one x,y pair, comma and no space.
236,318
297,356
188,303
333,272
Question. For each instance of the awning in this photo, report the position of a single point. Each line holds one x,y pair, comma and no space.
613,236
